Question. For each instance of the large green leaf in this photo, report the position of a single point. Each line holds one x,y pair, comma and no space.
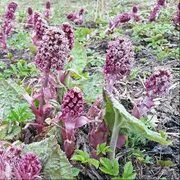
129,121
11,95
55,163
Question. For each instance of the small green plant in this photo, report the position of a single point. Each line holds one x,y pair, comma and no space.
20,40
108,166
84,158
20,113
19,70
102,149
128,172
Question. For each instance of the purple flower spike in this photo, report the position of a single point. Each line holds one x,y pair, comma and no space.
53,50
40,26
161,2
119,59
118,20
158,83
135,9
73,103
154,13
30,11
7,24
176,18
135,15
29,167
47,11
30,18
68,30
77,17
48,5
12,7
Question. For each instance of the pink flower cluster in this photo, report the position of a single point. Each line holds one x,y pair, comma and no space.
118,20
40,26
135,16
77,17
68,30
47,11
158,83
73,104
30,18
176,18
72,108
7,25
53,51
124,17
119,59
13,165
156,86
156,10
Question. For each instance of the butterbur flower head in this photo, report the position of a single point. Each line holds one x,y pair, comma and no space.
124,17
121,18
161,2
29,166
48,5
73,103
158,83
154,13
176,18
68,30
30,11
53,50
12,6
135,9
81,11
47,12
119,59
9,15
40,26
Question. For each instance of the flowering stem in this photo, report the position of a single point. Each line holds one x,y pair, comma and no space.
42,102
115,134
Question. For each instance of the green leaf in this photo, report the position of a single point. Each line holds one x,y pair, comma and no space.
102,149
129,122
84,158
21,113
81,156
10,97
128,171
55,163
79,58
75,171
165,163
93,162
108,166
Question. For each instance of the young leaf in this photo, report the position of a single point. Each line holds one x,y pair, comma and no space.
10,97
102,149
93,162
108,166
128,171
84,157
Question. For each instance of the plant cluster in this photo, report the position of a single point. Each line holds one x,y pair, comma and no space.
58,104
7,25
